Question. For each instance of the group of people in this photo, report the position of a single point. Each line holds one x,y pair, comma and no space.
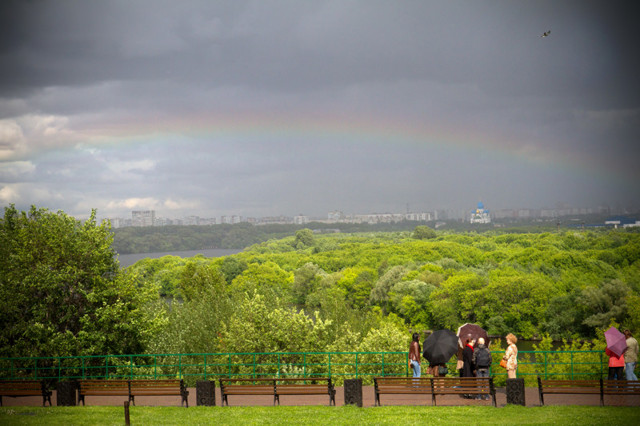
626,362
474,360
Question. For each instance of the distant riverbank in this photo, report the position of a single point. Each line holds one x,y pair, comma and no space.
130,259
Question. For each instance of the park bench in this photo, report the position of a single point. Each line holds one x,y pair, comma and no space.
132,388
158,388
306,386
434,386
574,387
462,386
102,388
401,386
18,388
246,387
277,387
620,387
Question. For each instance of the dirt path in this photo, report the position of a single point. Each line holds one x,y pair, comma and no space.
368,395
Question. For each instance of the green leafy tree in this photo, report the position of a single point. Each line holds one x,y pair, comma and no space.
196,325
605,303
380,292
267,278
304,238
256,327
410,300
306,280
423,232
62,289
231,267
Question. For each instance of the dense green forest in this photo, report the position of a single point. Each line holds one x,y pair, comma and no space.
64,293
348,287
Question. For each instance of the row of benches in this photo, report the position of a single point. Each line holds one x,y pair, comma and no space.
318,386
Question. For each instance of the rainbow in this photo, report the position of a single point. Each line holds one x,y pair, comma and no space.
364,130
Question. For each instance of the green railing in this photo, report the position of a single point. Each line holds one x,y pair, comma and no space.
338,365
192,367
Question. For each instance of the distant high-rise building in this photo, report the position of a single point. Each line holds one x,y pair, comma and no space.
301,219
143,217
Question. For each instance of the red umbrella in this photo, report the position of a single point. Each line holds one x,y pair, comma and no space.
474,331
616,341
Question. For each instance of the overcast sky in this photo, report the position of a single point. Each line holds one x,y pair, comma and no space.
261,108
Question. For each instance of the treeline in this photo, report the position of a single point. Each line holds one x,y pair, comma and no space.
225,236
238,236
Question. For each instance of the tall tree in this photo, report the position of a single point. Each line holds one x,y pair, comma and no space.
62,290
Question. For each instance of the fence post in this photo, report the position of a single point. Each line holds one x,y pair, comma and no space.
545,365
130,367
36,368
329,359
304,365
180,364
601,366
356,365
571,365
205,366
382,364
254,366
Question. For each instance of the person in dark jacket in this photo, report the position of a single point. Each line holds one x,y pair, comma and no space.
467,359
482,360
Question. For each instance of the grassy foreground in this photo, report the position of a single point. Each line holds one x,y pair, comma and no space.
583,415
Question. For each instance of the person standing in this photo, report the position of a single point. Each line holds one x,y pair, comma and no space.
467,358
616,365
482,361
630,356
467,361
414,355
511,356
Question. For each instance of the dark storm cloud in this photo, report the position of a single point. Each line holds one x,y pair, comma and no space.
478,71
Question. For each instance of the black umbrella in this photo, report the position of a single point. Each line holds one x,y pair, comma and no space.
440,346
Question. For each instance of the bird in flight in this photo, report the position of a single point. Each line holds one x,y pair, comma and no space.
546,34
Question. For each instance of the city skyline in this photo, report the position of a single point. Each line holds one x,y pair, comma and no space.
153,218
267,108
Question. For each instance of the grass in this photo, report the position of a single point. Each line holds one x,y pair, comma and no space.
313,415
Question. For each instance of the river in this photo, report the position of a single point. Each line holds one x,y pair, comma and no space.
130,259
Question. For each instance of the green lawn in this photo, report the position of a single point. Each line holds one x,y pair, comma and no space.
320,415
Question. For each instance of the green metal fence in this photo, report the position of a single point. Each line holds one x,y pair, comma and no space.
338,365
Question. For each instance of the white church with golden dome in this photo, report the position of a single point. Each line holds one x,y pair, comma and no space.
480,215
